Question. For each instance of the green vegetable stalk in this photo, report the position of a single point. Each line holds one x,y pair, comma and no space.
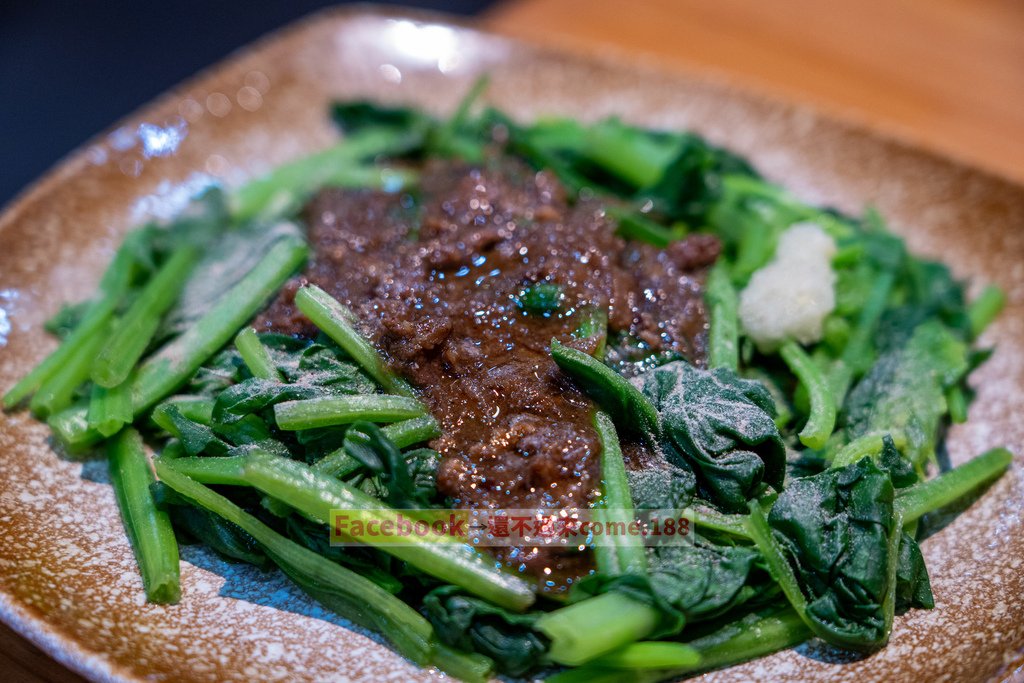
135,329
628,554
596,626
110,409
113,287
723,333
336,322
919,499
623,402
822,418
329,411
256,356
315,495
148,527
340,589
176,362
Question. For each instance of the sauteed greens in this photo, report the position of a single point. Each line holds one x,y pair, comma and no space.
806,443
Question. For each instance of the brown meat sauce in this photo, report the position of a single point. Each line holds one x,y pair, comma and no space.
435,284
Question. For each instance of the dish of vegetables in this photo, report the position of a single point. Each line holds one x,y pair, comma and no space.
483,314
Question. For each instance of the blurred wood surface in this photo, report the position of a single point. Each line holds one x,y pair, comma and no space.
946,74
23,662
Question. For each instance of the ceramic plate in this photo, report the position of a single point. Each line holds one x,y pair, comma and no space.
67,577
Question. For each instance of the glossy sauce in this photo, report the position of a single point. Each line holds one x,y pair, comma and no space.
436,284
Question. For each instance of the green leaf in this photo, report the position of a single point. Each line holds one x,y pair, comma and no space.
722,427
834,530
629,409
904,393
475,625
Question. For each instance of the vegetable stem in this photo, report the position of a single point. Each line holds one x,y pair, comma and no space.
210,470
57,392
984,309
651,655
596,626
315,495
723,334
341,589
328,411
110,409
94,320
287,186
113,285
919,499
628,407
636,159
822,418
176,362
867,446
636,226
256,356
148,527
336,322
135,329
412,431
627,554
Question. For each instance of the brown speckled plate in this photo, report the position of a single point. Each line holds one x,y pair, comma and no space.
67,577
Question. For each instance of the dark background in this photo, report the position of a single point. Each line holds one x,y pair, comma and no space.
71,68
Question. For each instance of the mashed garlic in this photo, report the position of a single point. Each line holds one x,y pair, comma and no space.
791,296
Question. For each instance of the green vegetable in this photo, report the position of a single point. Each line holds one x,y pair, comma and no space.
58,392
338,588
337,410
474,625
752,636
828,542
412,431
256,356
985,308
358,116
628,408
635,226
669,487
110,409
627,554
366,443
721,426
693,184
210,470
254,395
935,493
148,527
173,364
822,418
114,285
633,155
542,298
905,392
594,627
651,655
316,495
723,331
336,322
283,190
135,329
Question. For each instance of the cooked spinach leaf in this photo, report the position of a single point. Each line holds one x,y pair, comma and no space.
904,393
834,530
475,625
722,426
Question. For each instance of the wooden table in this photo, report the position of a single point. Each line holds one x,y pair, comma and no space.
947,74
